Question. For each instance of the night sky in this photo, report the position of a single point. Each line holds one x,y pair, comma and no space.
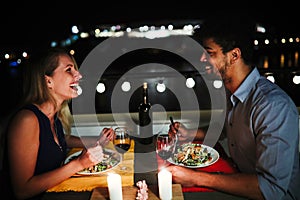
35,25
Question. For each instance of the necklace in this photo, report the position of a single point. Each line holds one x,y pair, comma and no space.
52,127
55,131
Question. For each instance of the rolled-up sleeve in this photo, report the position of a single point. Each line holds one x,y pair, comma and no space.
277,128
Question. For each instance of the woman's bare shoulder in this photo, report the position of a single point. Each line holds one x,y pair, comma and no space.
24,115
24,119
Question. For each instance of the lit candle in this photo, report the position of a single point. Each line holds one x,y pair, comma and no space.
114,183
165,184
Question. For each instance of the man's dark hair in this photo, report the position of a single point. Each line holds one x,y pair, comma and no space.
229,33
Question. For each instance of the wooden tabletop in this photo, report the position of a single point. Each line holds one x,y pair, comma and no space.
130,192
95,187
82,183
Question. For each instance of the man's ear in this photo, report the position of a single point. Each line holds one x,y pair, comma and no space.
235,55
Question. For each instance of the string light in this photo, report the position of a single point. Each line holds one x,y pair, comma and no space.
126,86
190,82
100,88
160,87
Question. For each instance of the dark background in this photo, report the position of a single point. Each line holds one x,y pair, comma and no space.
32,26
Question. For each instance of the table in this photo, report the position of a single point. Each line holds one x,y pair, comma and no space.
129,192
86,187
88,183
222,165
186,195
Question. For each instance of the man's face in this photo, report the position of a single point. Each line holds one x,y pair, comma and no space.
219,62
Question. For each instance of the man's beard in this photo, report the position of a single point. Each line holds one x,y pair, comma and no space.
223,73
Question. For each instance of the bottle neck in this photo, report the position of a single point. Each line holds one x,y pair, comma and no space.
145,95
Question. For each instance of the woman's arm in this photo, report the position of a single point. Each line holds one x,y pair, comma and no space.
104,137
23,146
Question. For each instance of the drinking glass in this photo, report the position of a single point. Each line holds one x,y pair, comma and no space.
165,145
122,142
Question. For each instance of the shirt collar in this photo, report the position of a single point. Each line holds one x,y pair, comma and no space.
247,85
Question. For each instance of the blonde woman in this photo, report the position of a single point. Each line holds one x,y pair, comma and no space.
39,132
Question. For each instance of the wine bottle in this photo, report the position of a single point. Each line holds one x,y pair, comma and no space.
145,118
145,158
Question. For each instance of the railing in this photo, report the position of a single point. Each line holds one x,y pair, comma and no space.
92,124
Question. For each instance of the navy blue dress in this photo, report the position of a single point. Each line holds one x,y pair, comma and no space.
50,154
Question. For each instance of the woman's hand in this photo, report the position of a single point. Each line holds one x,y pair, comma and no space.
106,135
91,156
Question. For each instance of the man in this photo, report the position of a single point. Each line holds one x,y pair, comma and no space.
261,124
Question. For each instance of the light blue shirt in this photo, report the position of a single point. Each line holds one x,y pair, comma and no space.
262,130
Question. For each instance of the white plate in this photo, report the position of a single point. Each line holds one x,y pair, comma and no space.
213,154
108,152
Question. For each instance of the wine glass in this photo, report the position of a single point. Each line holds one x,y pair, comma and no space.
165,145
122,142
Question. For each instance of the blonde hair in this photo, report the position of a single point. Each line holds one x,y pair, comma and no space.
66,118
35,88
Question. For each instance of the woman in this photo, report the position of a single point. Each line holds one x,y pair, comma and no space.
39,132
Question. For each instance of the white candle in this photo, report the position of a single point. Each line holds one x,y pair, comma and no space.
165,184
114,183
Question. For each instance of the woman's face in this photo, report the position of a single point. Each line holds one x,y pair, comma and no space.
64,80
